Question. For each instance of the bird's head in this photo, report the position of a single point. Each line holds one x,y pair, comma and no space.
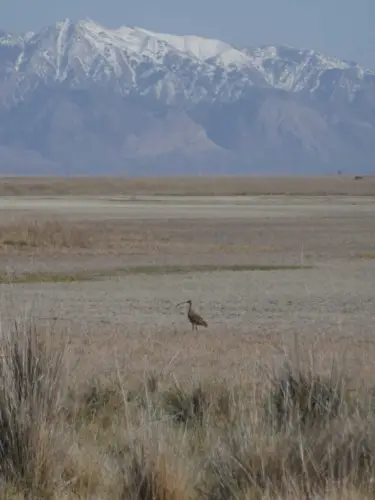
184,302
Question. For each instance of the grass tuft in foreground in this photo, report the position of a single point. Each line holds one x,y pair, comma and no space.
31,375
306,399
168,440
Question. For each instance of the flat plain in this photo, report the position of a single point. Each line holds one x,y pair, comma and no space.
256,267
184,186
276,277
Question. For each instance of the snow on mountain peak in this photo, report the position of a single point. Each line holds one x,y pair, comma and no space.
202,49
139,41
133,58
167,66
10,40
294,69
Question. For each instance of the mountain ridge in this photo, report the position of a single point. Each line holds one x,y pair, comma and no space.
84,98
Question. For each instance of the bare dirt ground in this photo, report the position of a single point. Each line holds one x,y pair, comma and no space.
111,313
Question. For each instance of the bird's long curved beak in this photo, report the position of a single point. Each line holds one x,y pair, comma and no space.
184,302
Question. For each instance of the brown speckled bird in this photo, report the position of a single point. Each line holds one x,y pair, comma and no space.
194,318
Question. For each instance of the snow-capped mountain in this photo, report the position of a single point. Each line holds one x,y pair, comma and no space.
300,70
163,66
184,98
166,66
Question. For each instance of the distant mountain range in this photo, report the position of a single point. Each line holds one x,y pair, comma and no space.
77,98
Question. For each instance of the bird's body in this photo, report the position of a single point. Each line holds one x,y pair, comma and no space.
194,318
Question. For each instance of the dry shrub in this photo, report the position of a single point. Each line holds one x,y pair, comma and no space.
312,441
185,406
99,402
30,406
204,403
306,399
156,465
88,472
47,234
149,481
41,235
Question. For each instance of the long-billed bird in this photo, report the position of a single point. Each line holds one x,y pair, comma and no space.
194,318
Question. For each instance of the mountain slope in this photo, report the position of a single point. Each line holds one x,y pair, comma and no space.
80,98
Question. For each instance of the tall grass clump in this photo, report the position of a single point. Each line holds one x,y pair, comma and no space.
304,398
47,234
311,437
155,473
31,372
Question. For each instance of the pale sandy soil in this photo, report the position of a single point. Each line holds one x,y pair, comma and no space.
185,207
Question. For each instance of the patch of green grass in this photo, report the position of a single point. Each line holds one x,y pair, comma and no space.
15,243
175,269
40,278
366,255
45,277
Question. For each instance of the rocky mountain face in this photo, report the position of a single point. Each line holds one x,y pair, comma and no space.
77,98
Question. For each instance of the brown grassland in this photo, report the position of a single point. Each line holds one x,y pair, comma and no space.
205,186
106,393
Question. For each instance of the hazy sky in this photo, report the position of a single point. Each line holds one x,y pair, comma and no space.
342,28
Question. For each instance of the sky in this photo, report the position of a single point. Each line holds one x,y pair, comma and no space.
340,28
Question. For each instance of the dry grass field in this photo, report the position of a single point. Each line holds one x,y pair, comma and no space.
106,391
183,186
